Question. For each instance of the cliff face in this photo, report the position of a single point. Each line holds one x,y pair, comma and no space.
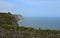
18,17
7,18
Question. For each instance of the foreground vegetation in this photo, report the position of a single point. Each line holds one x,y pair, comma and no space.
13,31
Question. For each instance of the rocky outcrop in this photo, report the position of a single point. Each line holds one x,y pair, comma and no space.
18,17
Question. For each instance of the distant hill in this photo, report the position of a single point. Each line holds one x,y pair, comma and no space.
8,18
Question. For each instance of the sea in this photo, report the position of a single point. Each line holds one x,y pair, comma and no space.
52,23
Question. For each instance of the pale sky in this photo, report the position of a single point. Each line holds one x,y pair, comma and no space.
32,8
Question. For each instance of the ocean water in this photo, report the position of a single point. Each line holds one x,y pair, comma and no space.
52,23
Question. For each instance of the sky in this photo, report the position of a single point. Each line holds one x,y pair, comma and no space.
31,8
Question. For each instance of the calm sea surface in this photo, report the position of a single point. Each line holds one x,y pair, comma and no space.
41,22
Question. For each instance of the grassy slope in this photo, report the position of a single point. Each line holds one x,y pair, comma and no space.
28,32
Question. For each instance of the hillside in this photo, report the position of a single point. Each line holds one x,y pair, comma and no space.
7,18
9,28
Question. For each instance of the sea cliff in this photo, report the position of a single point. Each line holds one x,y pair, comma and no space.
9,28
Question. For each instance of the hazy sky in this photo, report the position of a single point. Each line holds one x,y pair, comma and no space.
33,8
